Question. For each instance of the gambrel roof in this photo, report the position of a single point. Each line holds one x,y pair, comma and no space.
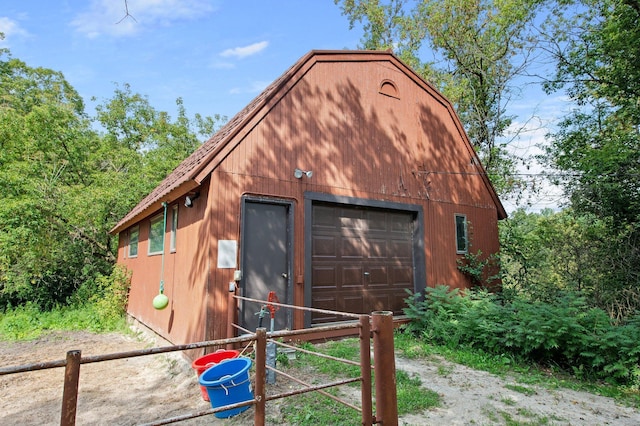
195,168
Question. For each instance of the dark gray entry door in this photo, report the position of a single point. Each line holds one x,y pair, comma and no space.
266,260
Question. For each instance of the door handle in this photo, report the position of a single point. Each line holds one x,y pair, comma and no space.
366,274
284,275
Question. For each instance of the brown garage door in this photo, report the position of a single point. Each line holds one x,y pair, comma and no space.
362,259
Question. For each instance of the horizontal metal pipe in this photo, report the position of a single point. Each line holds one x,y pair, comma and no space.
165,349
286,333
200,413
300,308
312,388
33,367
120,355
307,385
318,354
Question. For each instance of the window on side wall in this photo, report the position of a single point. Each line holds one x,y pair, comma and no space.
156,230
134,233
461,234
174,227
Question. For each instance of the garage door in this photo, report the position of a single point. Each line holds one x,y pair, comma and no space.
362,259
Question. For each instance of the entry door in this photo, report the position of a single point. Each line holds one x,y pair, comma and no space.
266,261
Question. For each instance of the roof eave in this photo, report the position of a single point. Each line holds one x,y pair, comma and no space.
155,205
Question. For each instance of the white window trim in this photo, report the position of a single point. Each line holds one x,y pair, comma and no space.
466,233
131,231
152,221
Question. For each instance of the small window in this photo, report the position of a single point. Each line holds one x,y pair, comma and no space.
461,233
156,234
134,233
174,227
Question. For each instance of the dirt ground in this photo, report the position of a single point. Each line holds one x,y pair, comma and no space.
150,388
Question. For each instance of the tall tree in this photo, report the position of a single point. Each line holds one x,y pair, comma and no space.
140,146
45,141
597,51
65,184
544,255
480,47
596,45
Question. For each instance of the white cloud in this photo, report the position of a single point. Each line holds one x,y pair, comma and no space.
243,52
10,28
109,17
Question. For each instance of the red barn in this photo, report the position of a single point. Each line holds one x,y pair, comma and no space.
348,181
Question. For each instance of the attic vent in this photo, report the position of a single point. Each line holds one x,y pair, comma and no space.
388,87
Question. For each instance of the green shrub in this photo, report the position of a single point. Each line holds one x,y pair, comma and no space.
437,316
20,323
29,322
611,353
110,299
566,333
96,306
108,295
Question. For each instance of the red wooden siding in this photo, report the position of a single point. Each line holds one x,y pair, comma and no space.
402,146
358,143
185,274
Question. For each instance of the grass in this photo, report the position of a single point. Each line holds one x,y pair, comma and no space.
444,370
522,389
28,322
503,417
314,409
507,400
412,396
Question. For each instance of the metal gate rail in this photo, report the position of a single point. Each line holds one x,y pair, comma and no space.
379,326
364,363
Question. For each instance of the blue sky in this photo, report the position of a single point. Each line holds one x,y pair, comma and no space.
216,55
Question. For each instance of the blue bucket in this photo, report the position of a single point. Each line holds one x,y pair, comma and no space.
228,383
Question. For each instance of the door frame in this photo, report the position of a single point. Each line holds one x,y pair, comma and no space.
419,268
289,204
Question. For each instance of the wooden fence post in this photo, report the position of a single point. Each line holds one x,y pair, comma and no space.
384,366
261,377
70,392
365,370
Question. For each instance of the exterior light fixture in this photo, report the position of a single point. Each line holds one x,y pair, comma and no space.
188,200
297,173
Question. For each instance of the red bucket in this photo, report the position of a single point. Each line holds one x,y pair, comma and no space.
204,362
